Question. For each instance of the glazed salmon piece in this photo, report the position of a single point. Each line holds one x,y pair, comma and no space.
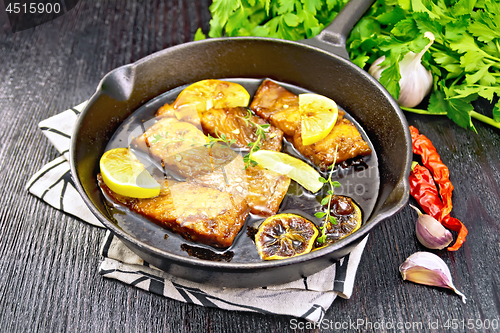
198,213
281,108
278,106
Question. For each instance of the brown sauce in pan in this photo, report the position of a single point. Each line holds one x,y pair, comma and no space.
359,180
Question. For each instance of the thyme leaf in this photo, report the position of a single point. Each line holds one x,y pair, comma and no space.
260,132
327,200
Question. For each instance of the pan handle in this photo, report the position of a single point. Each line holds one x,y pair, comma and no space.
333,37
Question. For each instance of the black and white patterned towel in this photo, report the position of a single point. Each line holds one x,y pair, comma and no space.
308,298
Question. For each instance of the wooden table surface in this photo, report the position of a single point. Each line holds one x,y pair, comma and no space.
49,279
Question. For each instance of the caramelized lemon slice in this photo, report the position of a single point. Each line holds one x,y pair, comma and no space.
318,115
288,165
285,236
207,94
124,174
348,218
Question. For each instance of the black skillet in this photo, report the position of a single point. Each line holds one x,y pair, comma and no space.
320,65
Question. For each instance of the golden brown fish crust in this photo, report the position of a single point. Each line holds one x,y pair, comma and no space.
263,189
266,190
278,106
344,134
201,214
281,108
236,124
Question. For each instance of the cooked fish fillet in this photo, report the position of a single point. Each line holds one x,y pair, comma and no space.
266,190
281,108
183,148
263,189
231,178
198,213
187,113
278,106
344,134
236,123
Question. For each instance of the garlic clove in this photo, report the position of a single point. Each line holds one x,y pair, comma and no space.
428,269
430,232
416,81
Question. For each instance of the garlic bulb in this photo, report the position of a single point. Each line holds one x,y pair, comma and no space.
427,268
430,232
416,81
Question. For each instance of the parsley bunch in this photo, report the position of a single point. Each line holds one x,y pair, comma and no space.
464,59
285,19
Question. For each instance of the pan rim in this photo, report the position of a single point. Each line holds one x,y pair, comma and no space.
264,265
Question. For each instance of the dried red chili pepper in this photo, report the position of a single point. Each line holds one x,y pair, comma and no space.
423,186
424,190
430,158
455,225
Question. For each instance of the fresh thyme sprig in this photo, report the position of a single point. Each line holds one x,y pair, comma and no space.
260,132
329,219
220,138
211,140
166,139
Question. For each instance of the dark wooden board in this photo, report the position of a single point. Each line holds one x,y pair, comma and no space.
49,279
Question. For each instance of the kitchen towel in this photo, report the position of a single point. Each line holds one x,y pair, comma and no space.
308,298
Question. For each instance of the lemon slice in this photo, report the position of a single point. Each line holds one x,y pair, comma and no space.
318,116
124,174
207,94
285,236
288,165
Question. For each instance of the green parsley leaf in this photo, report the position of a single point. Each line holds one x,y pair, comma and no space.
496,112
390,79
454,31
405,28
482,75
222,9
199,35
392,17
463,7
486,25
437,103
312,6
489,92
449,63
424,24
285,6
235,21
460,113
419,6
